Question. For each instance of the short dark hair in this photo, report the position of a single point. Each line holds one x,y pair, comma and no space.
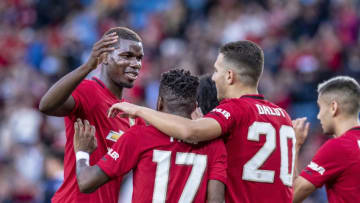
125,33
178,88
206,95
248,58
345,90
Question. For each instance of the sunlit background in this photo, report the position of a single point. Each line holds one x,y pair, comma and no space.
305,42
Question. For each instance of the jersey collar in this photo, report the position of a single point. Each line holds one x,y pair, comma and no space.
254,96
99,82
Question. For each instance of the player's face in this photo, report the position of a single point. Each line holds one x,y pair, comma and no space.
219,77
325,116
124,62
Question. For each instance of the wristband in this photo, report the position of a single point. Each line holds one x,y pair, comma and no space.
83,155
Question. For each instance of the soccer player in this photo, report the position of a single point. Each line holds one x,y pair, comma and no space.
258,135
337,163
165,169
118,54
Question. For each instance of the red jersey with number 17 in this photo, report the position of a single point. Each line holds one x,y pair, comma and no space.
92,100
259,139
337,166
165,170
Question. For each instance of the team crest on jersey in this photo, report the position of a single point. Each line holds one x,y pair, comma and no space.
114,136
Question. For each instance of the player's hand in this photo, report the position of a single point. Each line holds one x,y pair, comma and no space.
301,127
196,114
104,45
125,109
84,138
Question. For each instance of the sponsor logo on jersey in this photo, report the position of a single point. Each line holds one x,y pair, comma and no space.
314,166
113,154
223,112
114,136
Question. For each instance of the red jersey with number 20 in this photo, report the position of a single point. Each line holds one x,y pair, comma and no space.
337,165
165,170
92,100
259,139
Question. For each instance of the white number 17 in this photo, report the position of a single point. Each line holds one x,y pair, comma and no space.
162,158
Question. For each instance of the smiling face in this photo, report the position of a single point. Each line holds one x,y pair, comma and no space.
124,63
325,116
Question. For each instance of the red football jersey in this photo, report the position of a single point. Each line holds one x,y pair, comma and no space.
92,100
165,170
259,139
337,165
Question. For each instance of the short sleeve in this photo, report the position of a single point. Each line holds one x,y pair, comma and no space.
218,166
123,155
224,115
80,95
328,163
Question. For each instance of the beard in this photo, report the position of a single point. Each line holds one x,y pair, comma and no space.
124,84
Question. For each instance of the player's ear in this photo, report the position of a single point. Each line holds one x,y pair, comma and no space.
103,58
160,104
230,76
334,108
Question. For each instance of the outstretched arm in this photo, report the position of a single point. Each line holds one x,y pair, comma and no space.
215,192
175,126
58,100
89,178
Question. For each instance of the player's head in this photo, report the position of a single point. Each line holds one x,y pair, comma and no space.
339,97
122,65
238,62
206,94
177,92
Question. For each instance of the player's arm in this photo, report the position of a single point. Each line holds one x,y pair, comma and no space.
58,101
302,189
301,128
215,192
175,126
89,178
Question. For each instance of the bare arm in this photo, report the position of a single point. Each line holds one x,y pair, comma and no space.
175,126
215,192
58,100
89,178
302,189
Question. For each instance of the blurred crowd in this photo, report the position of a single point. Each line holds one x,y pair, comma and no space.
305,42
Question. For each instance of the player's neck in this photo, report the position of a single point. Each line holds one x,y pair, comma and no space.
182,114
116,90
345,124
237,91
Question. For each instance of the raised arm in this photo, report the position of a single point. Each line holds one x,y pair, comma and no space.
58,100
215,192
175,126
301,128
89,178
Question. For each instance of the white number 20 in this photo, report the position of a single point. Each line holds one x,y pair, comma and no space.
162,158
251,171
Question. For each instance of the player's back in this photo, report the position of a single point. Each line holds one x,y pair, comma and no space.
345,186
166,170
260,152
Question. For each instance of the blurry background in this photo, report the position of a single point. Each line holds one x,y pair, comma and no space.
305,42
